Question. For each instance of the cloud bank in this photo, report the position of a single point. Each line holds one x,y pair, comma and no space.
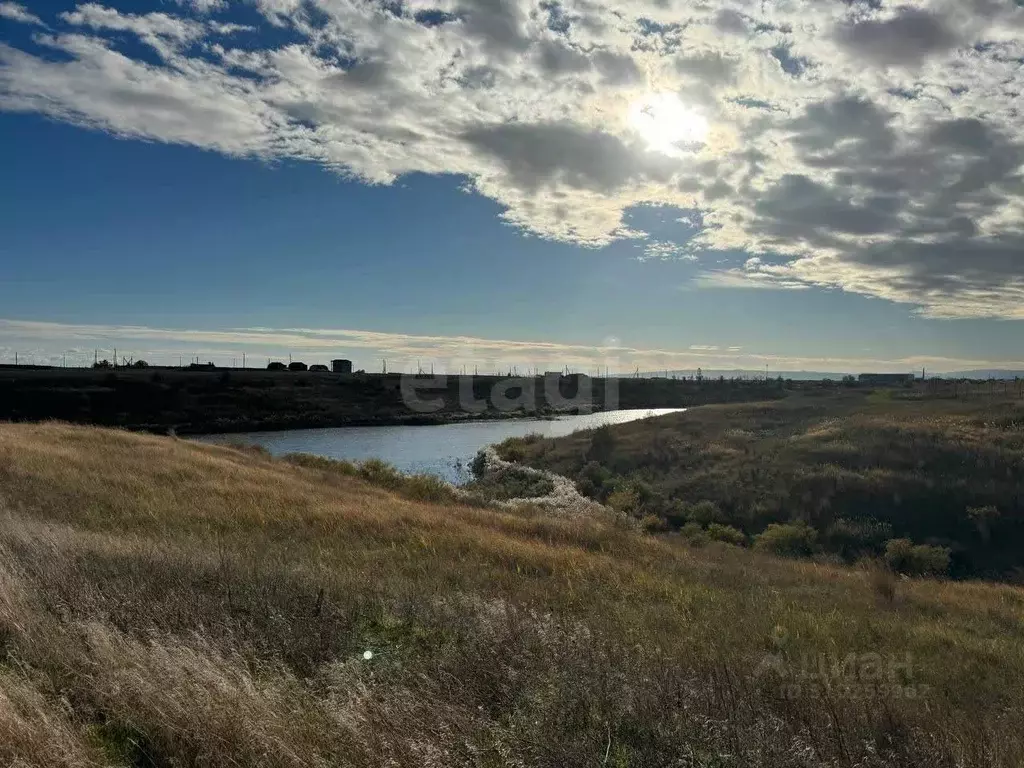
871,146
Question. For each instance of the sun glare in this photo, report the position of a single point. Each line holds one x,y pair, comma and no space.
668,125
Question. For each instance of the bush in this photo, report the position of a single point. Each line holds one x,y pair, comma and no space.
727,534
787,539
653,524
511,483
602,445
479,465
853,539
594,481
903,556
694,534
625,500
426,488
704,513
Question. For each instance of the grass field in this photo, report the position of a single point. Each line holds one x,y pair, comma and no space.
846,471
165,603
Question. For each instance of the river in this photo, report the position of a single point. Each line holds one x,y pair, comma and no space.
445,450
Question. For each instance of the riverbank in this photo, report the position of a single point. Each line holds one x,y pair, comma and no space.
164,602
192,402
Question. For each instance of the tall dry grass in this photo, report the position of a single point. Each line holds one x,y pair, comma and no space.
167,603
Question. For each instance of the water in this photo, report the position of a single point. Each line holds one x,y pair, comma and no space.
444,450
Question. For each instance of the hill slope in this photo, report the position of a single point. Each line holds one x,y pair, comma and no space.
169,603
858,467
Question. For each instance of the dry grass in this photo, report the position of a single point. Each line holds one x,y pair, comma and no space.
169,603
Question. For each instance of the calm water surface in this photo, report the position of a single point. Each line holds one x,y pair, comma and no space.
445,450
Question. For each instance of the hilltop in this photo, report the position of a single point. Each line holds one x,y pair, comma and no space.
169,603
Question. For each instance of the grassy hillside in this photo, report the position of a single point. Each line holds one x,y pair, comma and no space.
858,468
167,603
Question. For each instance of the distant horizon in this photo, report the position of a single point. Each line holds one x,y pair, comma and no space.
79,345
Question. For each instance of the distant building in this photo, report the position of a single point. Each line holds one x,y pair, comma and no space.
276,366
202,367
297,366
341,366
886,379
318,368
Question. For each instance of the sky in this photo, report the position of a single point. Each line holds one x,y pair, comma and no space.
798,184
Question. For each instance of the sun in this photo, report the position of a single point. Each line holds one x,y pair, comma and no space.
668,125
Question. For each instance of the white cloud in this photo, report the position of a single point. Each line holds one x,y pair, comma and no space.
204,6
19,13
659,250
875,149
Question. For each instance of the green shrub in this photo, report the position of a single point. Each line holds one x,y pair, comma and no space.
903,556
727,534
704,513
380,473
511,483
787,539
594,481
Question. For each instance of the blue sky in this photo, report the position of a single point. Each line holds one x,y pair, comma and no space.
149,216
